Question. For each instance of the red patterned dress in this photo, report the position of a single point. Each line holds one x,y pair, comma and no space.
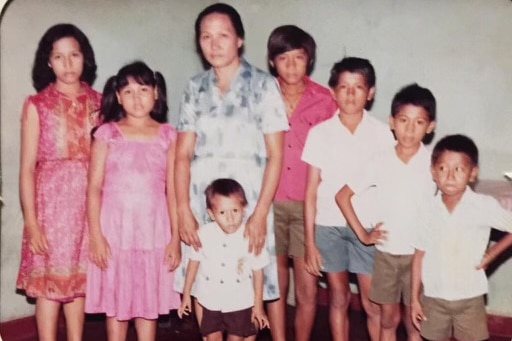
60,186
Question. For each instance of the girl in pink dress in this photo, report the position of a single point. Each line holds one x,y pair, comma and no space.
55,145
131,205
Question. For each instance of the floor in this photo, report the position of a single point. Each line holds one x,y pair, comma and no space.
171,328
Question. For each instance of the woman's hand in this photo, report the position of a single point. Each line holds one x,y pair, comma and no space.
37,242
187,227
256,232
172,255
99,251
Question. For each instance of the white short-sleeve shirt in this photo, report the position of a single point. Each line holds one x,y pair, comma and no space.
455,243
332,148
224,281
399,191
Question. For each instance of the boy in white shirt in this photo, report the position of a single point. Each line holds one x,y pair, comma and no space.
334,149
450,255
229,283
401,181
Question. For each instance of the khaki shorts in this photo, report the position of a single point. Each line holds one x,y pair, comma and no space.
461,319
391,281
289,227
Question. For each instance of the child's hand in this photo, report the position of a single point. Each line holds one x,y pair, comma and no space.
185,307
484,263
172,255
256,231
417,314
375,236
37,242
99,251
259,318
313,260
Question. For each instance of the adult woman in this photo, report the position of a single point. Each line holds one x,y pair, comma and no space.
231,125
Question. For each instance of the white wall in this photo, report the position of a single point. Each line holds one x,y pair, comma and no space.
460,49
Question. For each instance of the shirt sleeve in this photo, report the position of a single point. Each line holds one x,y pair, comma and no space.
104,132
188,111
313,144
499,217
272,108
257,262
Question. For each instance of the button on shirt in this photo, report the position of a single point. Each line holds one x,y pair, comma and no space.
224,280
338,153
315,105
399,190
455,243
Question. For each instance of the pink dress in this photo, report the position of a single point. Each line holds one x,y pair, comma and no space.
60,185
135,221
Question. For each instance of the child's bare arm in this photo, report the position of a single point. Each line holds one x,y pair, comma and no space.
190,276
173,250
312,255
417,314
495,250
258,313
343,200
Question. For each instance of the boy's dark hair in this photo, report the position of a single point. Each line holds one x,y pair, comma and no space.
353,65
290,37
112,111
220,8
224,187
456,143
417,96
42,74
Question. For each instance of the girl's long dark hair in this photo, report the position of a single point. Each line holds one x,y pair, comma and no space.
112,111
42,74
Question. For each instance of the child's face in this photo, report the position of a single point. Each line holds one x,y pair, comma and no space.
219,41
67,61
137,99
452,172
291,66
410,124
227,212
351,93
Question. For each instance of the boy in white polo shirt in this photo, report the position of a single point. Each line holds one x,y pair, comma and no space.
334,149
450,254
229,284
401,181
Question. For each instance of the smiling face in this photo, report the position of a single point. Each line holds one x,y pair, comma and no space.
452,172
352,93
137,99
67,61
219,41
227,212
411,123
291,66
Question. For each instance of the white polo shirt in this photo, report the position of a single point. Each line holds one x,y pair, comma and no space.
454,244
400,189
224,280
332,148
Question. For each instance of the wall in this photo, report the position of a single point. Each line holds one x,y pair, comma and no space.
460,49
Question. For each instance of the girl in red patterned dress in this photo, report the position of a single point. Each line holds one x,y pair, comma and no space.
55,145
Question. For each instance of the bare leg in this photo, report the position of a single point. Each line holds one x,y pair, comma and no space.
306,288
146,329
198,310
372,310
216,336
413,334
47,317
389,320
276,309
74,313
339,300
116,330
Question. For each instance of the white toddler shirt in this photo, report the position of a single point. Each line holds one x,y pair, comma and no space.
224,281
